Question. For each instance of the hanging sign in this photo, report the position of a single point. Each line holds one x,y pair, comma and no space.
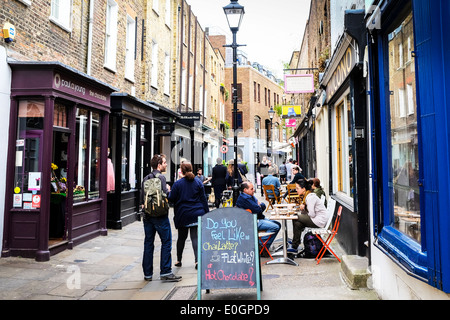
299,83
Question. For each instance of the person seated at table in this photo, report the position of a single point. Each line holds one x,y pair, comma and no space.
271,180
297,175
247,200
313,213
317,188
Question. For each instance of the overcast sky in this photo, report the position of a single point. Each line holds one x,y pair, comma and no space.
271,30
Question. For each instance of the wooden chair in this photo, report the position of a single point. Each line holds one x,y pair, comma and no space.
293,196
271,197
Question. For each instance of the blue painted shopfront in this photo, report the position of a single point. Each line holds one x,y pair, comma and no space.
409,59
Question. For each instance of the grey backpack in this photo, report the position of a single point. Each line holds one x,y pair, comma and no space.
155,200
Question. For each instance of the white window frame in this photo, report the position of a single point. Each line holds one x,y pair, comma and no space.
154,71
111,35
130,48
167,74
61,14
155,6
191,92
183,86
168,16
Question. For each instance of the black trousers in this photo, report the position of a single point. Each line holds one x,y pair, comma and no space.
182,236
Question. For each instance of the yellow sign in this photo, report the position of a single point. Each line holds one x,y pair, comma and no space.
292,112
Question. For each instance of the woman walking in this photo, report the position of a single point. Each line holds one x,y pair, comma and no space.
189,199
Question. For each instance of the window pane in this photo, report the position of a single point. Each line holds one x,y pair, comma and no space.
80,147
94,163
28,167
404,139
125,152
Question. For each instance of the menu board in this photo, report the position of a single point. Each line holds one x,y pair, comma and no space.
228,250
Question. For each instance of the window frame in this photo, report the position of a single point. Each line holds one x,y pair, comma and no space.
112,10
406,252
64,21
130,48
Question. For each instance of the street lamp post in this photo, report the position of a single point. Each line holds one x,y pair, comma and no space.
234,13
271,115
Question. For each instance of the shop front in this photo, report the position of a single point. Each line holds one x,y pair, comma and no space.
347,115
56,167
407,56
130,151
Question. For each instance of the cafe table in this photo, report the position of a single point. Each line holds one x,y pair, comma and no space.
282,213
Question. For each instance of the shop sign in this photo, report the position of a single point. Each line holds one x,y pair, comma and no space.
190,118
342,71
75,87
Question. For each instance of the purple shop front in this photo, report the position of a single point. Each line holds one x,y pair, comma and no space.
57,153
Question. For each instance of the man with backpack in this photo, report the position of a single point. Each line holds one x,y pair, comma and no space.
156,220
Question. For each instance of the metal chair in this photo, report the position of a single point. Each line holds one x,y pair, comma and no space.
331,234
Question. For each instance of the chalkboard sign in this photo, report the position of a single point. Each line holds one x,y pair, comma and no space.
228,250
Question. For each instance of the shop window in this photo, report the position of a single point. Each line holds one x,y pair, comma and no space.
129,149
403,136
344,148
60,116
87,146
28,164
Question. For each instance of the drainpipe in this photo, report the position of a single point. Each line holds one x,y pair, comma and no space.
89,45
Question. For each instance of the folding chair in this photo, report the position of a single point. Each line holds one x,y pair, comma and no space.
262,234
293,196
324,230
331,234
272,198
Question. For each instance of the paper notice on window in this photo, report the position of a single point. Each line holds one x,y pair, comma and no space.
19,158
34,181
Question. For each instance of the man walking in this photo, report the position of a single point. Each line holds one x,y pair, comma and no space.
160,225
219,181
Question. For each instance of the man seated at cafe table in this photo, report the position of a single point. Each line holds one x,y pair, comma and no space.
271,180
248,201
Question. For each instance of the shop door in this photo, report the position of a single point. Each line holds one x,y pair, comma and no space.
58,203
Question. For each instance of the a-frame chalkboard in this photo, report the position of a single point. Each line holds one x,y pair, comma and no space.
228,254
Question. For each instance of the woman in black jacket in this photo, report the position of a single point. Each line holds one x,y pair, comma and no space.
189,199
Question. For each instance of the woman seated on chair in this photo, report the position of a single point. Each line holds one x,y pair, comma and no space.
247,200
297,176
313,213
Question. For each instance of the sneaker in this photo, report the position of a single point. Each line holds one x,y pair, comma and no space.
148,278
291,249
171,277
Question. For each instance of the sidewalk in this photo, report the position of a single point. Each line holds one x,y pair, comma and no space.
109,268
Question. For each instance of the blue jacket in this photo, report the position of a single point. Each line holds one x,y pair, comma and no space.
271,180
246,201
189,201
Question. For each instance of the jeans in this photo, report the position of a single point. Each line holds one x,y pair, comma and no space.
268,226
161,226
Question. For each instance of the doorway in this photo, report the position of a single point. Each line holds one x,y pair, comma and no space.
58,203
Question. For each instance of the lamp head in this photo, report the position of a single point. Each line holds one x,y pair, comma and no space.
234,13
